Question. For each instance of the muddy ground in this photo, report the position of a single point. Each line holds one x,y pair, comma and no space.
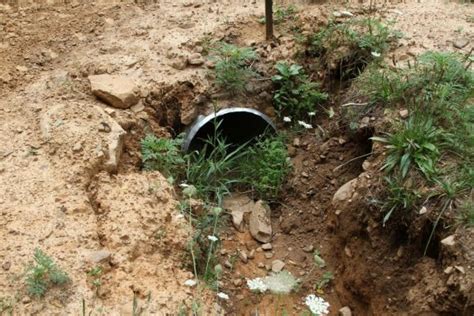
76,190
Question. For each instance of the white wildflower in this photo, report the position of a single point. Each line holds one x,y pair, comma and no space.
223,296
376,54
305,125
190,282
317,305
287,119
212,238
257,285
311,113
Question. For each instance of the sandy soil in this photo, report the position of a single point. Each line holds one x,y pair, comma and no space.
74,189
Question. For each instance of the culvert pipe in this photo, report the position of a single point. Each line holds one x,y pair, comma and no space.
238,125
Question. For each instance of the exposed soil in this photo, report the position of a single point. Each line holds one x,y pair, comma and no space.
71,183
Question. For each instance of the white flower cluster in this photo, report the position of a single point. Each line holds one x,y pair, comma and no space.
257,285
305,125
317,305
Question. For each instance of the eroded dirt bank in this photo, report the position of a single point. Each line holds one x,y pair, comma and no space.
71,183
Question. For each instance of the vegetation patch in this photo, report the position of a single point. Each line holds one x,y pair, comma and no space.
44,274
295,95
434,148
345,49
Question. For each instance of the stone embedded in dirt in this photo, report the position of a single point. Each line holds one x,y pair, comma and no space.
260,223
345,192
277,265
308,248
267,246
237,282
251,254
269,255
423,210
347,14
99,256
461,43
404,113
227,264
77,147
117,91
348,251
243,256
6,265
345,311
238,205
22,68
196,59
449,270
449,241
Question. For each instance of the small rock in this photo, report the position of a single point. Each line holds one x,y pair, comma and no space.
346,14
137,108
404,113
460,43
460,269
309,248
348,252
423,210
269,255
196,59
260,223
104,127
296,142
448,270
267,246
237,282
22,68
227,264
179,63
345,311
6,265
251,254
448,241
77,147
99,256
243,256
337,14
277,265
26,299
238,205
261,265
117,91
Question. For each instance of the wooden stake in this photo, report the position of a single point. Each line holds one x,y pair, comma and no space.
269,19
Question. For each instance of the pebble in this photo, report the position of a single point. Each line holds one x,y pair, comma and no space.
6,265
261,265
404,113
267,246
227,264
277,266
348,252
308,248
269,255
251,254
237,282
345,311
77,147
460,43
448,241
243,256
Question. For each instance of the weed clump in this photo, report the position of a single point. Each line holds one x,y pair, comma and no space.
295,94
162,154
345,49
43,274
265,175
232,70
435,145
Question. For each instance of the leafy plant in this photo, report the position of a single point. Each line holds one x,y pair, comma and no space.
414,144
282,14
295,94
398,197
466,214
6,306
96,274
324,281
347,48
162,154
265,166
43,274
232,70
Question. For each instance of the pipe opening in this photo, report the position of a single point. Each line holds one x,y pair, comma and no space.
237,125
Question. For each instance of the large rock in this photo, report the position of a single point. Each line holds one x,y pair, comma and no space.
238,205
118,91
345,192
260,223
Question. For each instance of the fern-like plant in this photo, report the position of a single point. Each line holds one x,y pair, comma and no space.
43,274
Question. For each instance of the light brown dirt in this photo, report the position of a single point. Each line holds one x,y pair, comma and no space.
59,190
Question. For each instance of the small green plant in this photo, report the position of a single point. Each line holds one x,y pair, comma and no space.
162,154
399,197
232,70
324,281
96,274
295,94
415,143
265,167
43,274
347,48
282,14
